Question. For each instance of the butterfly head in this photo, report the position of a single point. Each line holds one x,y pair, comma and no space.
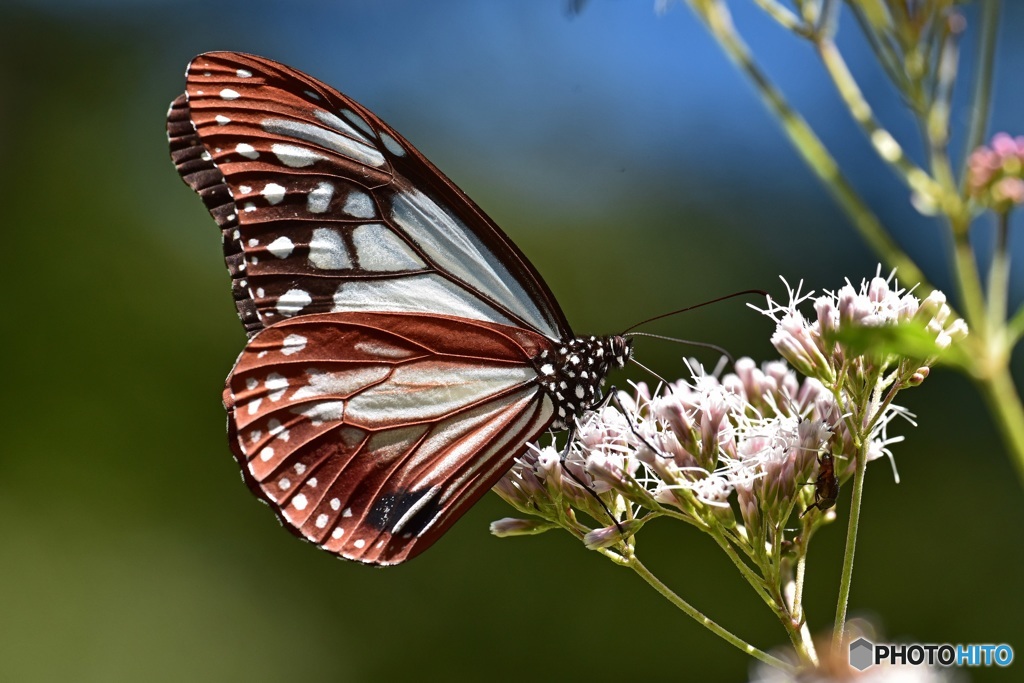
621,349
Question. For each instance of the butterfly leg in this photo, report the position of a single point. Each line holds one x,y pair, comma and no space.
584,486
613,397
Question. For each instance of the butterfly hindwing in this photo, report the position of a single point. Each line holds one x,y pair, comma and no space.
324,207
371,433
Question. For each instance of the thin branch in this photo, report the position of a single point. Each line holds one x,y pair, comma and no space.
981,98
634,563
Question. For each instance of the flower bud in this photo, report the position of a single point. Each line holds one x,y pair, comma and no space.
610,535
511,526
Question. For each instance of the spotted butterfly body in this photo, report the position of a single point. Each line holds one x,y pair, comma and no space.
402,351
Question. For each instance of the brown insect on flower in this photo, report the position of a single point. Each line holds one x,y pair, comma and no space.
826,486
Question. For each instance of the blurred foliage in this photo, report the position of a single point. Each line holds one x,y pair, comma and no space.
131,549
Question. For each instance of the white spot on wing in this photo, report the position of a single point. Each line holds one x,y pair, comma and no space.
273,193
359,543
322,411
338,532
321,521
294,156
342,383
307,132
282,247
244,73
266,454
428,293
379,350
229,94
293,343
319,199
380,250
293,301
300,502
358,204
327,250
329,119
358,120
392,145
276,384
246,150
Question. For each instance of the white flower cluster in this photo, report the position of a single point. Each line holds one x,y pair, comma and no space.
739,452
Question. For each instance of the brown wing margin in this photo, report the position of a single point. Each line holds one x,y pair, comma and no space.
197,169
370,434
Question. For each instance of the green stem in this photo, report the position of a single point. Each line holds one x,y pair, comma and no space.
884,143
936,125
791,626
716,17
784,16
991,339
999,276
755,581
981,98
1015,327
889,57
634,563
990,354
1005,405
846,580
969,284
798,605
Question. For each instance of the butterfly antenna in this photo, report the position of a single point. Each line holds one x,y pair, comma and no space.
703,345
690,308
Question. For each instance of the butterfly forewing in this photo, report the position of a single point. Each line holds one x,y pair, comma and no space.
324,196
402,351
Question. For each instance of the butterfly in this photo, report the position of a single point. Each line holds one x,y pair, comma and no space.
402,351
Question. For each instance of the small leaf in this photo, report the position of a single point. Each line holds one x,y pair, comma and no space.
905,340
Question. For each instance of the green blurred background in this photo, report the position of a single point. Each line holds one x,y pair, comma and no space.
636,169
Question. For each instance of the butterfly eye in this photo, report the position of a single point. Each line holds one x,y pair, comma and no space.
402,351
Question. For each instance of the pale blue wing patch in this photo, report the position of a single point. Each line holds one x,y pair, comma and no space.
453,249
424,293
